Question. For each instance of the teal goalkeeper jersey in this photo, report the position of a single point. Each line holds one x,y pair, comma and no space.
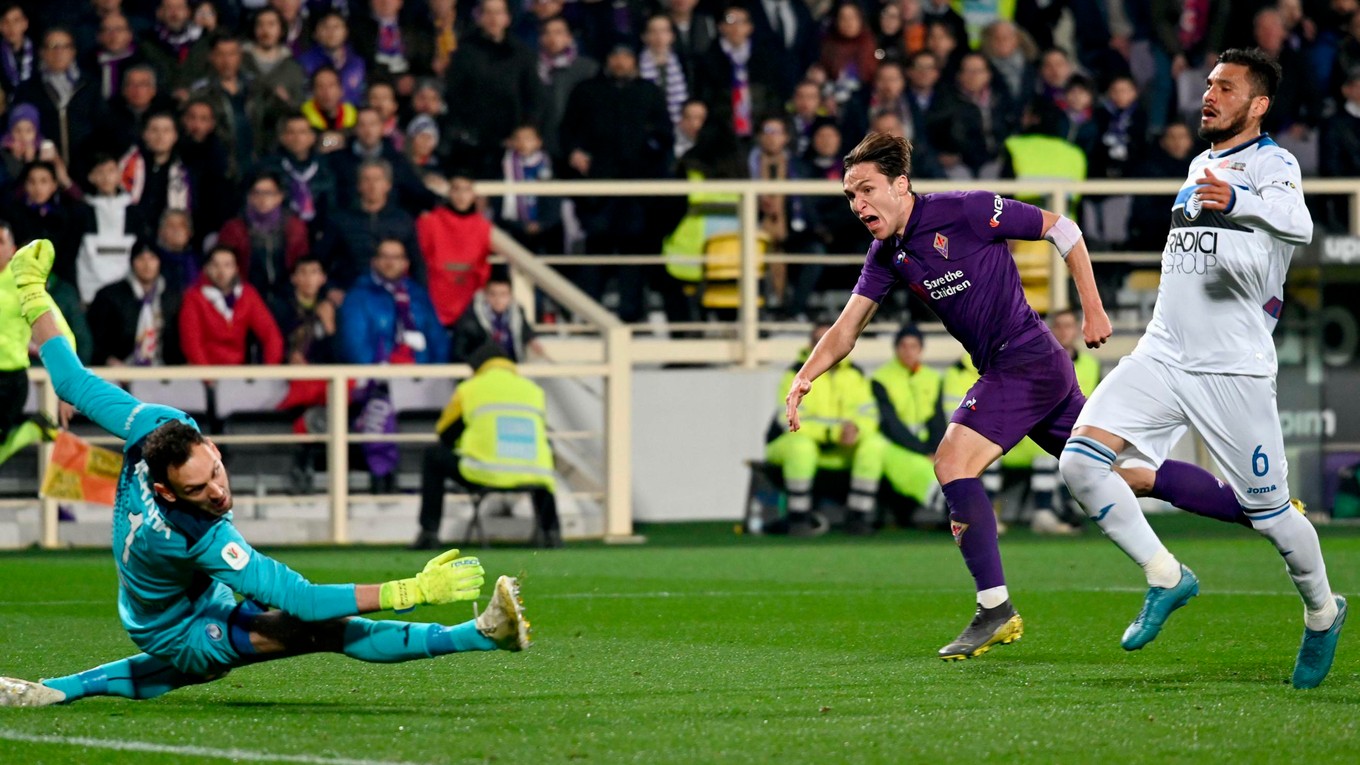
169,557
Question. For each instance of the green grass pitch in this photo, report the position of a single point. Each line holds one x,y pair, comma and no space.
705,647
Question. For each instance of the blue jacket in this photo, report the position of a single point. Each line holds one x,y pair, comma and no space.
368,319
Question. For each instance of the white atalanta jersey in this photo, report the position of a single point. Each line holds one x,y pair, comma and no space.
1222,285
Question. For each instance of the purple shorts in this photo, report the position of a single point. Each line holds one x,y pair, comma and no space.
1028,391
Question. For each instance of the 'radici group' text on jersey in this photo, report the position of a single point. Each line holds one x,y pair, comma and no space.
1223,273
953,255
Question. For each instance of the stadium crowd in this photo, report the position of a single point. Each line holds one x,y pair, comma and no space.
291,181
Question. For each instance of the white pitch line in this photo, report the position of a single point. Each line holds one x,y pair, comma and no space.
190,751
663,594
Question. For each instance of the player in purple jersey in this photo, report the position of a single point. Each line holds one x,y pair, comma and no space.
950,249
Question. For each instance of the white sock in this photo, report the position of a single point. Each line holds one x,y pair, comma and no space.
1297,541
1163,570
1087,468
993,596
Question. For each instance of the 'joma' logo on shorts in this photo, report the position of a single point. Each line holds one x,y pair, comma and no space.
1261,489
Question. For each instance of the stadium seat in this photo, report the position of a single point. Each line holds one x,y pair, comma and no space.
420,397
720,288
474,525
1034,261
235,397
188,396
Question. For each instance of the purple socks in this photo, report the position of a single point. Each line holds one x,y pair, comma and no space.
974,526
1196,490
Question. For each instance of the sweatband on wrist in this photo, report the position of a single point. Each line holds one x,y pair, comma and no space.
1064,234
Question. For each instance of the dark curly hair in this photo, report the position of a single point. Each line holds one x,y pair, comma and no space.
169,446
1262,71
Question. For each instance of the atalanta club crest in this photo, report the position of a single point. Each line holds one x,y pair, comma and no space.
942,245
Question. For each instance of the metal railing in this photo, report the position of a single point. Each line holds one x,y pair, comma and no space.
747,350
615,351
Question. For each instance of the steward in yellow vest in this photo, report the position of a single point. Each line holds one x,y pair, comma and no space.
910,419
840,428
493,436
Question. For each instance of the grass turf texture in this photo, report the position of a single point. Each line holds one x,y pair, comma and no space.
705,647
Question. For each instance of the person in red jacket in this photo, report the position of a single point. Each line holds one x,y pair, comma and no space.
220,313
455,239
267,238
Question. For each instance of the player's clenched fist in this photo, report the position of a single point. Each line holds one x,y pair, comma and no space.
444,579
1096,328
801,387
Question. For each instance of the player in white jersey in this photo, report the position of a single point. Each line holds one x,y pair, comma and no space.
1207,360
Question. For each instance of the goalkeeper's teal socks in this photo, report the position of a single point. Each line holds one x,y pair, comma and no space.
458,638
388,641
136,677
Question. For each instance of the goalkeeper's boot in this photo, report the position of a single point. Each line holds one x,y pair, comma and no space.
22,693
1157,606
1000,625
1318,649
503,622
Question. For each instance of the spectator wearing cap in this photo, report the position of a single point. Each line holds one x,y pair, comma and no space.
21,141
267,238
368,143
221,315
561,68
493,85
422,144
69,105
135,320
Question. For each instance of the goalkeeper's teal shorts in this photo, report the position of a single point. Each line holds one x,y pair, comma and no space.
216,638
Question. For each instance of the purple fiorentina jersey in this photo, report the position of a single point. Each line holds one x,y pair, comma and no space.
953,255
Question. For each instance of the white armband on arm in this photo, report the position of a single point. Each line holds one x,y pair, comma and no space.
1064,234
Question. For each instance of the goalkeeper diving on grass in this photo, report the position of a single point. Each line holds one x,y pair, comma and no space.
181,562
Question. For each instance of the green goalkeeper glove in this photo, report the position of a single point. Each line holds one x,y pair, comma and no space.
444,579
31,265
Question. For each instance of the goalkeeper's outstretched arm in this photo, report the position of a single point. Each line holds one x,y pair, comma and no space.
107,404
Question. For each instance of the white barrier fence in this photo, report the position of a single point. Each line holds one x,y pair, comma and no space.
611,350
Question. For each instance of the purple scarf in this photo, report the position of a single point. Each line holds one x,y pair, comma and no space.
299,188
18,64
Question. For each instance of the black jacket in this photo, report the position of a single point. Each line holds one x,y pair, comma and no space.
492,87
113,322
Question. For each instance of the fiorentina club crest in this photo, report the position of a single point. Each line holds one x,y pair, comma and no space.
942,245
